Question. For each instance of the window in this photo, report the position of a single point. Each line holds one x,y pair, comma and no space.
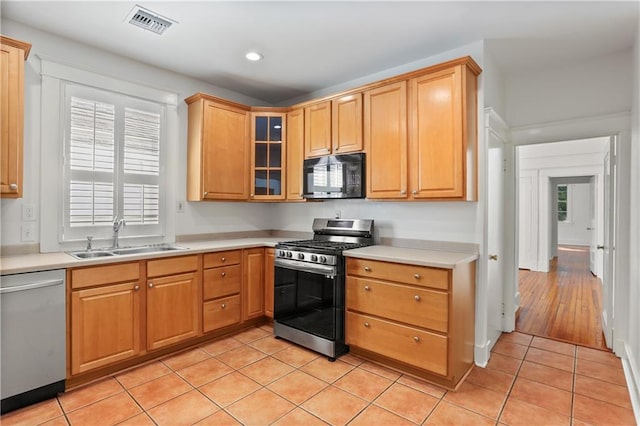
112,163
563,203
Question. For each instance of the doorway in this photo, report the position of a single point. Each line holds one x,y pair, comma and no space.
561,225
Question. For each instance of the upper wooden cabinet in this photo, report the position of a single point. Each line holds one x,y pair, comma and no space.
295,154
428,150
385,135
218,149
443,134
13,53
334,127
317,129
346,124
268,155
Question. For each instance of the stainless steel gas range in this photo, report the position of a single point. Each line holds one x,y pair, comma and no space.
309,294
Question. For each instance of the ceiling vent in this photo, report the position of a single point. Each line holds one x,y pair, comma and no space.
148,20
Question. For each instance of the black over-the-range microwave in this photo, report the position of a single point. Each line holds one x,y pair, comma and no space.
334,176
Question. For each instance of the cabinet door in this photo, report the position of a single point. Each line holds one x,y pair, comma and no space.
317,129
268,148
269,282
385,136
295,153
346,124
105,325
11,119
253,283
437,146
225,152
173,303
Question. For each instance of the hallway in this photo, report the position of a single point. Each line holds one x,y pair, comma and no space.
564,304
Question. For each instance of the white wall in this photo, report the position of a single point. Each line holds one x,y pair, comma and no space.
596,87
632,332
197,217
574,231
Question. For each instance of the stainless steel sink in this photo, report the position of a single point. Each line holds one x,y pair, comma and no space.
151,248
90,254
146,249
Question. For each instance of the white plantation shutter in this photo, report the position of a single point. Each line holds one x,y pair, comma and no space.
113,163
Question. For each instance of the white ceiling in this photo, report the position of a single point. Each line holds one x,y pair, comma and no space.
308,46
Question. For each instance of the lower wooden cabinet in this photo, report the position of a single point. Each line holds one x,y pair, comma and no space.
105,315
413,318
269,280
221,313
253,265
222,284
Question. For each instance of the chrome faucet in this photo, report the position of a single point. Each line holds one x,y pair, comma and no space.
117,224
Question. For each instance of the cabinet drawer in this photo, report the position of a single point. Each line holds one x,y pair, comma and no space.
173,265
222,281
416,306
406,344
222,258
409,274
221,313
100,275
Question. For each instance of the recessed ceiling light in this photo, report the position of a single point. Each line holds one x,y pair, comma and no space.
253,56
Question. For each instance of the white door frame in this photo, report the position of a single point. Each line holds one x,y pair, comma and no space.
584,128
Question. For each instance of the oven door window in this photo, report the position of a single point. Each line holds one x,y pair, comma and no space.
306,301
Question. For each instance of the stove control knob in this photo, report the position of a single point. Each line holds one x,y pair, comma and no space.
289,254
314,258
300,256
323,259
281,253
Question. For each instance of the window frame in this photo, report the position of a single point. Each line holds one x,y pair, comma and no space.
568,218
54,77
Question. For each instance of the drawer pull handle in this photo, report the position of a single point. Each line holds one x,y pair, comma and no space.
366,324
224,305
224,259
416,276
224,274
366,268
136,288
366,288
150,285
416,339
417,298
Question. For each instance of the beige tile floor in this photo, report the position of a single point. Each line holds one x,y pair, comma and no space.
254,379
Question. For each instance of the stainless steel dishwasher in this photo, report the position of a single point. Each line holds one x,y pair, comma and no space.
33,351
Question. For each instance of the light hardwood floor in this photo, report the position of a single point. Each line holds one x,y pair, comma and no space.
564,304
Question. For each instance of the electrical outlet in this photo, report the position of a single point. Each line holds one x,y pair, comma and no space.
338,214
28,213
28,232
180,207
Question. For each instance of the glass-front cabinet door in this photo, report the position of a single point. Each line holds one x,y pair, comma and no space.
268,156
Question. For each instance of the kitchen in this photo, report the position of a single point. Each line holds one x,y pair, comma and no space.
448,221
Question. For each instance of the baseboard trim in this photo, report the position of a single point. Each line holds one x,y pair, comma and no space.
632,375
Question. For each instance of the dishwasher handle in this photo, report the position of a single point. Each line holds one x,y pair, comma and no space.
31,286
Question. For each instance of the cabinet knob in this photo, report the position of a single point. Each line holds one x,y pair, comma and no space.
366,288
403,192
150,285
224,259
417,298
205,194
416,276
366,268
224,274
366,324
13,186
416,339
251,195
224,305
136,288
414,192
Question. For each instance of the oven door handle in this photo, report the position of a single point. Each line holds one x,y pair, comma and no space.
329,271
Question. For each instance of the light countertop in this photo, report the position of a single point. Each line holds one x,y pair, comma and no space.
432,258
